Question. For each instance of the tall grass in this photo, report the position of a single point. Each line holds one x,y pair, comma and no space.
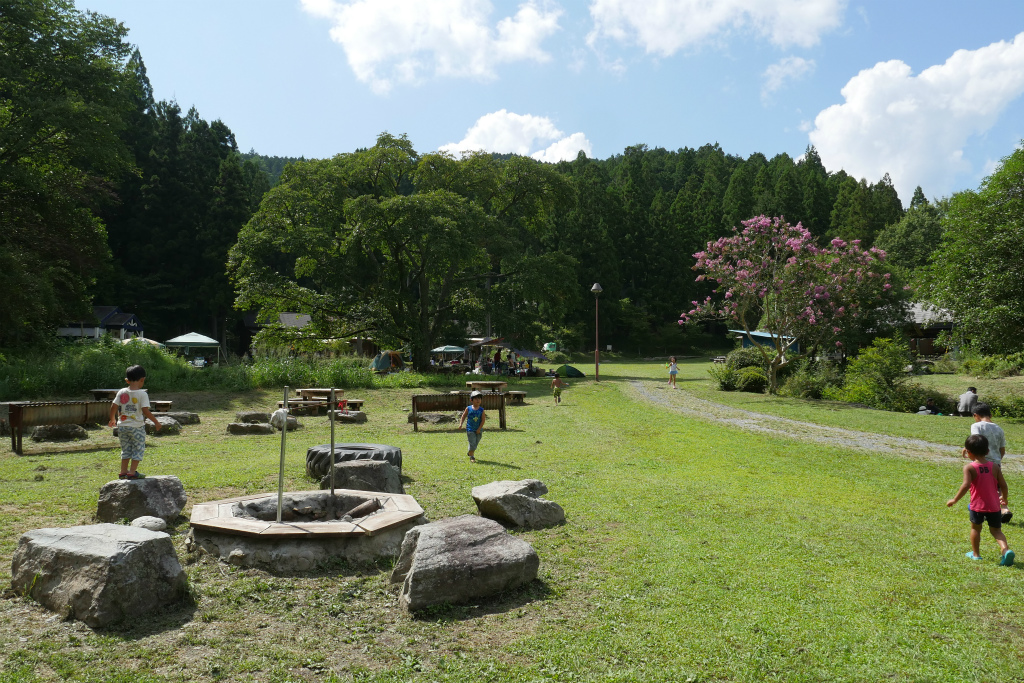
75,369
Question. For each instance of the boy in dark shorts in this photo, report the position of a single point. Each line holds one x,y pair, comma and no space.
984,479
473,417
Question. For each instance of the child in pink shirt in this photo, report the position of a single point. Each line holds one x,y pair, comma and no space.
984,479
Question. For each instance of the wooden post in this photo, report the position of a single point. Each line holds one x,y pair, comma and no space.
415,420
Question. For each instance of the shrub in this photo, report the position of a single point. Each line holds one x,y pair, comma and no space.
1009,406
946,365
752,379
877,377
556,357
994,366
812,380
726,376
746,358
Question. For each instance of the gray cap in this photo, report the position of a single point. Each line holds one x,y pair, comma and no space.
476,393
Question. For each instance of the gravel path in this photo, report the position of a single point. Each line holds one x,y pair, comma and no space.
687,404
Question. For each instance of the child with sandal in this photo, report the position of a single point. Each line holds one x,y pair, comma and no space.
129,412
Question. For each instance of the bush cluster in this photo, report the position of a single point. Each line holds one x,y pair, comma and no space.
812,380
993,366
743,370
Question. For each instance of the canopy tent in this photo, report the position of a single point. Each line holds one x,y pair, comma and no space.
144,340
448,349
193,340
387,361
528,354
568,371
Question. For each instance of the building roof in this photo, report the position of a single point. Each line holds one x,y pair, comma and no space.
192,339
923,313
759,334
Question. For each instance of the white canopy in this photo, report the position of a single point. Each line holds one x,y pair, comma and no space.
194,340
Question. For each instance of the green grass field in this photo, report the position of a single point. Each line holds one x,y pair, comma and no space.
692,551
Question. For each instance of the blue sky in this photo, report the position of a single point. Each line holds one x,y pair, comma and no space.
929,92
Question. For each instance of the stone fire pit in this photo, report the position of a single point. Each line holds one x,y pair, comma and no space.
357,526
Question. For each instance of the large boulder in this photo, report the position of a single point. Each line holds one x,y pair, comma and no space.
252,416
160,496
352,417
181,417
365,475
318,458
59,433
168,426
461,560
518,503
101,574
249,428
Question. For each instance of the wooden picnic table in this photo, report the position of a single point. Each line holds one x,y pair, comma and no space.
104,394
318,394
487,385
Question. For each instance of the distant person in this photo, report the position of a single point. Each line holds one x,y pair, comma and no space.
673,370
129,412
474,418
930,406
967,401
996,438
556,388
985,481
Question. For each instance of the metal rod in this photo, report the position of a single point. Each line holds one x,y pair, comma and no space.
597,345
334,408
280,472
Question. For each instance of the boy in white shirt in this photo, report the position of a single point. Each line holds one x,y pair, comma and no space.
984,425
129,412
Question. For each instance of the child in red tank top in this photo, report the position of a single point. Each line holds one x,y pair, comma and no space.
984,479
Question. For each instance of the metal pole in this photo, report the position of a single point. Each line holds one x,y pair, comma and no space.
280,472
597,347
334,407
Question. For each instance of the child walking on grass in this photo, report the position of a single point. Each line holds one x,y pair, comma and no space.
673,370
474,417
129,413
985,481
984,425
556,388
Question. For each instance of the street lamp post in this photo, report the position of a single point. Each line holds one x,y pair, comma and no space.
596,289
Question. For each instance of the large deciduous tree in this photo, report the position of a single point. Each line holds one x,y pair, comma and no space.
977,272
771,276
65,93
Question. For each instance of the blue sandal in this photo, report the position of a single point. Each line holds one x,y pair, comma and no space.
1007,559
971,556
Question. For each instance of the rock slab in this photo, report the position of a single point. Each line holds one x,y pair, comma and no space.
168,426
318,458
353,417
181,417
365,475
252,416
249,428
432,418
461,560
160,496
59,433
101,574
518,503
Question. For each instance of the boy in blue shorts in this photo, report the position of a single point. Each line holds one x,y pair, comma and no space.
985,481
473,417
129,413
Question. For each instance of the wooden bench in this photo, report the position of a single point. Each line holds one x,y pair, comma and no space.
517,398
427,403
318,394
299,407
354,403
160,406
103,394
487,385
718,359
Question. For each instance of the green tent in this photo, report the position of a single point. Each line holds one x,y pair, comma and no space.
569,371
387,361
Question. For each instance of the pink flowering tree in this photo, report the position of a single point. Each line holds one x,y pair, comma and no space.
772,277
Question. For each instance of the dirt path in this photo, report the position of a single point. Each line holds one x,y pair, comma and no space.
687,404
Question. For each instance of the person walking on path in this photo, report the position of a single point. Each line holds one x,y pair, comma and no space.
129,412
985,481
984,425
966,402
673,370
473,417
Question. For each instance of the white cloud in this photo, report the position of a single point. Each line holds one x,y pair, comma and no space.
916,127
787,69
664,27
504,132
402,41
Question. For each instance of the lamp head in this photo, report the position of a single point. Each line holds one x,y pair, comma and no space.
596,289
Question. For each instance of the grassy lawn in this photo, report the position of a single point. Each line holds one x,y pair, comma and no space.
693,377
691,552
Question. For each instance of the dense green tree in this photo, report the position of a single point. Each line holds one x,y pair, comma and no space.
909,243
977,272
66,91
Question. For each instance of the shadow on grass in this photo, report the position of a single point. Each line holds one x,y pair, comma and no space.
500,604
171,618
495,463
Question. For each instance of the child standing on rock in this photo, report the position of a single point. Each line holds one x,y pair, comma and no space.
129,412
985,481
474,417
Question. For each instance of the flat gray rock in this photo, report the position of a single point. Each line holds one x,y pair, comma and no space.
365,475
249,428
59,433
355,417
318,458
252,416
151,523
159,496
168,426
181,417
101,574
433,418
461,560
518,503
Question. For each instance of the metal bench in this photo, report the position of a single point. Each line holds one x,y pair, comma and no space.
424,403
21,414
